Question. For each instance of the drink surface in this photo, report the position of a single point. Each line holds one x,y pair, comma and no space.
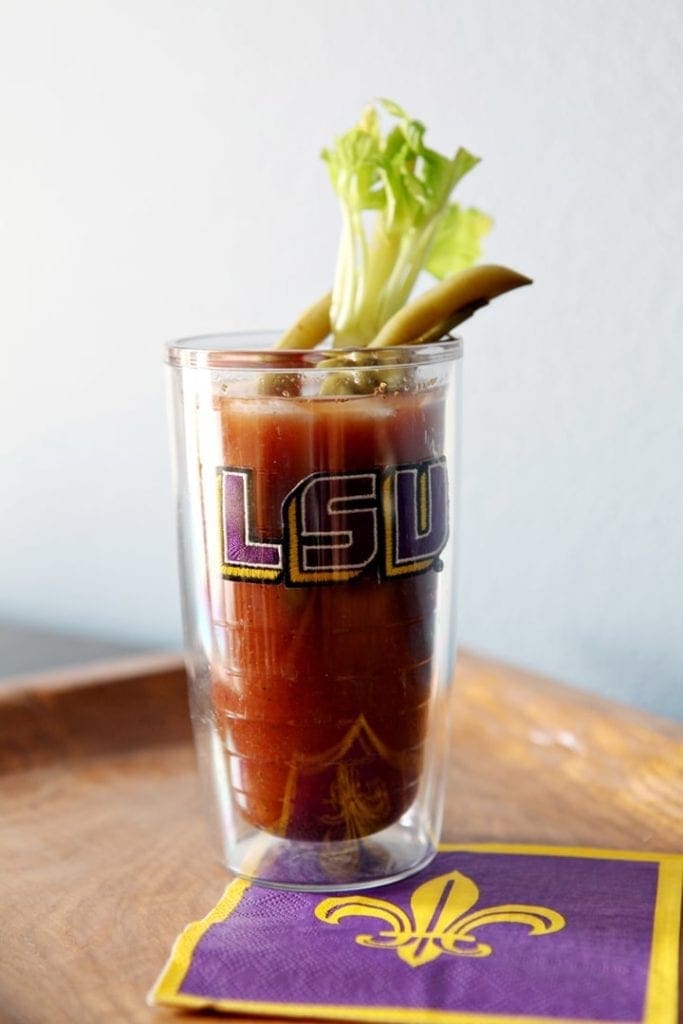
321,693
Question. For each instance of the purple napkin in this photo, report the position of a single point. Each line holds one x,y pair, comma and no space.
486,932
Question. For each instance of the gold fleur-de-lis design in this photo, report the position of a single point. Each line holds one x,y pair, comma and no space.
357,805
444,920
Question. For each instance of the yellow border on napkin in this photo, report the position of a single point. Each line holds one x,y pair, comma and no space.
661,1002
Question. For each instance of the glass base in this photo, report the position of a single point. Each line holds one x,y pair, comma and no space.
338,866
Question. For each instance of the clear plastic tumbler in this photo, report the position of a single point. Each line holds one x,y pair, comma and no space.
317,508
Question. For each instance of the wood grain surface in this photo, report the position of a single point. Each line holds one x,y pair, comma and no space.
104,854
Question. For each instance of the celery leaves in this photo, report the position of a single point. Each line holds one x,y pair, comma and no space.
457,242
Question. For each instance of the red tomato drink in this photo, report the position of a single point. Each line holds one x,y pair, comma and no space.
333,515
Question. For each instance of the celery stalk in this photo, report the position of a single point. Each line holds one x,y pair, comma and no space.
397,219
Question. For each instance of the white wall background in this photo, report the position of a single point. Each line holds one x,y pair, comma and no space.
159,176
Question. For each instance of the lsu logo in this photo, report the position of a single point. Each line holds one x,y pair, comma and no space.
335,526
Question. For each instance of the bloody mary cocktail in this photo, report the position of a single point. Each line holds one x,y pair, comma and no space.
316,473
316,484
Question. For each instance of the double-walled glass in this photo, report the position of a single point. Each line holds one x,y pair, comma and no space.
317,507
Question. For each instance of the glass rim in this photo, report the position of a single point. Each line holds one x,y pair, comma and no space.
252,350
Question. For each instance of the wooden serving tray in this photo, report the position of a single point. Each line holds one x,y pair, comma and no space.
104,854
